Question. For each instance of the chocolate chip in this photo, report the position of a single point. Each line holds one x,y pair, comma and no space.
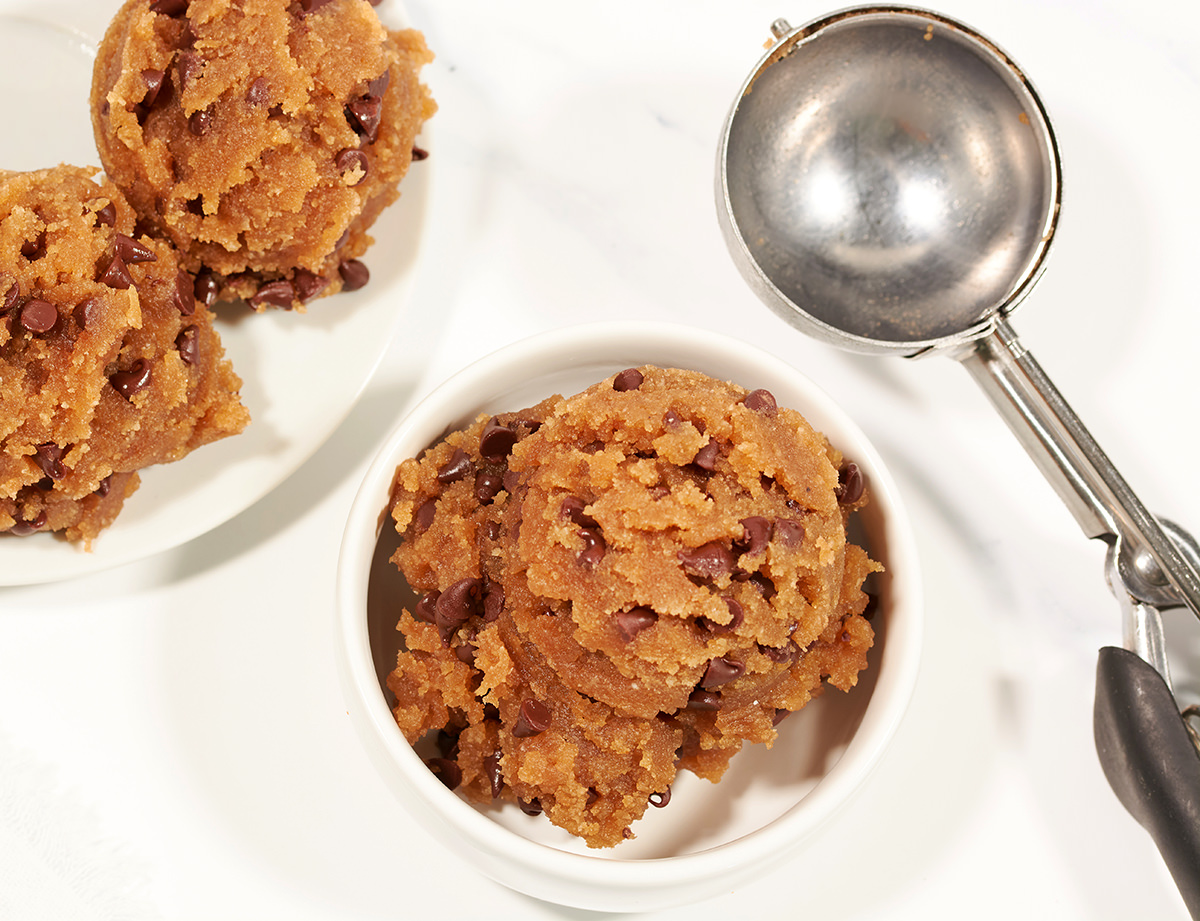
12,292
278,293
104,487
188,345
671,419
354,274
708,561
496,441
764,585
706,457
424,516
184,295
188,65
572,510
87,312
530,807
425,607
154,80
379,85
632,622
780,654
308,284
455,605
661,798
721,670
491,770
107,215
311,6
171,8
131,251
135,380
200,122
114,273
35,248
493,602
851,484
259,92
364,115
594,548
48,457
532,719
702,699
790,532
756,534
487,486
445,770
24,528
419,154
349,162
205,287
629,379
39,316
456,468
779,716
761,401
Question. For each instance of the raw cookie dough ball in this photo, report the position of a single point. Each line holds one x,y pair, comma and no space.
637,579
108,364
261,137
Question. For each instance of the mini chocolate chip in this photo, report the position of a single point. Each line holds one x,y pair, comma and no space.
278,293
35,248
594,548
154,83
455,606
184,295
632,622
104,487
572,510
764,585
205,287
491,770
424,609
493,602
789,531
491,530
87,312
756,534
48,457
350,161
445,770
200,122
259,92
188,345
131,251
708,561
354,274
706,457
379,85
530,807
424,516
308,284
12,292
363,115
107,215
114,272
779,654
629,379
851,484
671,419
170,8
188,65
39,316
465,653
660,798
721,670
512,480
135,380
532,719
419,154
702,699
24,528
496,441
487,486
736,616
456,468
761,401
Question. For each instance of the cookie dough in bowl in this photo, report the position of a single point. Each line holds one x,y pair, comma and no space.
262,138
565,635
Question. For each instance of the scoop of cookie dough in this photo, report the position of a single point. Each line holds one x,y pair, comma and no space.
614,586
108,363
261,137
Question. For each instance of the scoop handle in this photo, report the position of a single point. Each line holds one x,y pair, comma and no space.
1081,473
1150,762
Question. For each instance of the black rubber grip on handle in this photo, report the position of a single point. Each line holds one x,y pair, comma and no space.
1150,762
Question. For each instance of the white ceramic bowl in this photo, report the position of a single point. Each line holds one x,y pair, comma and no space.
711,838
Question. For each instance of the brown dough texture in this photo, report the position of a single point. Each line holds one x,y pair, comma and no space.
618,585
261,137
108,363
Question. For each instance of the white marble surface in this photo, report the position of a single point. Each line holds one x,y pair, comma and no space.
173,729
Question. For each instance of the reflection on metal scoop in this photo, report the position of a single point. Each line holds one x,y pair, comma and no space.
889,182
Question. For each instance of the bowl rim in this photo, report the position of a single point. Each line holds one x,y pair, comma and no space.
568,877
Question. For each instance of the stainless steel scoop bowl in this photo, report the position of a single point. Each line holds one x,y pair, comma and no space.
889,182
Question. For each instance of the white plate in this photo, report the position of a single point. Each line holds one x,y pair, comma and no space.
302,373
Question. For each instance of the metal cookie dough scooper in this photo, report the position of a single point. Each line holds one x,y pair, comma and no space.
889,182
